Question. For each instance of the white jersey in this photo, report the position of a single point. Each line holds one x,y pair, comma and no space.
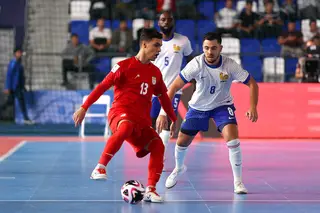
170,59
213,82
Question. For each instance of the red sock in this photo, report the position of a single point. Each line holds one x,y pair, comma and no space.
115,142
155,167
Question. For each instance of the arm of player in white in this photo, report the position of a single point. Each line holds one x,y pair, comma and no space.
252,113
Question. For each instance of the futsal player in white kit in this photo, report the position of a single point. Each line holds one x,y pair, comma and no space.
174,48
214,74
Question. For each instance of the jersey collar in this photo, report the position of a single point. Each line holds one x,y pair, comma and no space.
214,66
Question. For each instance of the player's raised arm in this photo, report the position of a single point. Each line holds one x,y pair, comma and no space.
107,82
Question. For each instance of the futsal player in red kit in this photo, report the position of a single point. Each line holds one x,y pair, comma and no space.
135,80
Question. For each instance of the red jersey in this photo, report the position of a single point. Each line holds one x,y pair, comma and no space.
134,84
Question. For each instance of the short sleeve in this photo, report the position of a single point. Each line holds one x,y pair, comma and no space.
91,34
190,71
238,73
117,71
187,49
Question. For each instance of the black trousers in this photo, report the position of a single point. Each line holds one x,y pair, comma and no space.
68,66
19,94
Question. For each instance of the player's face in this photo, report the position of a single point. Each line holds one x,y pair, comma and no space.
153,48
166,23
212,50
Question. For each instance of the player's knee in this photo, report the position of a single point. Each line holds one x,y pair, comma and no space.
156,146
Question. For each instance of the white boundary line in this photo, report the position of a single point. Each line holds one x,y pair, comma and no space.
169,201
12,150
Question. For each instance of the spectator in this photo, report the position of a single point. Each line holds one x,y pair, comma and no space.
76,58
314,30
146,9
226,20
309,9
291,41
100,9
248,20
288,10
166,5
15,85
262,5
124,9
100,37
270,23
122,38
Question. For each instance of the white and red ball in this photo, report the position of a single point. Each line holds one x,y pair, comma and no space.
132,191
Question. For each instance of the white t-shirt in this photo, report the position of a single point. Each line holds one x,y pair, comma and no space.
170,59
213,84
96,33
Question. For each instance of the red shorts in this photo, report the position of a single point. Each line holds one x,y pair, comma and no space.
140,138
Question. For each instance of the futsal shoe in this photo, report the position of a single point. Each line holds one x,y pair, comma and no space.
173,177
152,196
239,188
99,174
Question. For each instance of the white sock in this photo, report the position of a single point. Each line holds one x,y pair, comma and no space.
100,166
235,158
164,135
180,154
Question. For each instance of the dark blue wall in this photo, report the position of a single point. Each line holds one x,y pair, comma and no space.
12,15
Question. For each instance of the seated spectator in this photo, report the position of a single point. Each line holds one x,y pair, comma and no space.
291,41
100,9
186,9
270,23
308,67
123,9
309,9
146,9
248,19
314,30
226,20
100,37
166,5
262,4
76,57
122,38
288,10
15,86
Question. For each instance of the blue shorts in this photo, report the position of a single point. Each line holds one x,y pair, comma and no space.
196,120
156,106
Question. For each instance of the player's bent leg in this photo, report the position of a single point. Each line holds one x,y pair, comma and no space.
185,138
230,134
156,149
114,143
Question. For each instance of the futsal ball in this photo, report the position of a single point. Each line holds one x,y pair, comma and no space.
132,191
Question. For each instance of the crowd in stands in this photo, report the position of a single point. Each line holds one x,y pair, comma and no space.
253,19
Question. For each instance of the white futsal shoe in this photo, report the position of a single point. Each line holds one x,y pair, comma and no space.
239,188
99,174
152,196
173,177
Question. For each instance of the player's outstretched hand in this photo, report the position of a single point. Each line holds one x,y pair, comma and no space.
78,116
172,129
252,114
162,123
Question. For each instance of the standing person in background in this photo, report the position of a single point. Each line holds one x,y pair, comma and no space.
174,47
15,85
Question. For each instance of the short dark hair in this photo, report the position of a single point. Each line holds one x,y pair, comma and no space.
212,36
74,35
149,34
249,2
16,49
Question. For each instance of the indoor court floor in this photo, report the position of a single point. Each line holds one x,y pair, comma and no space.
51,174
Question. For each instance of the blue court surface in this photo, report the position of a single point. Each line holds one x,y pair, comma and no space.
53,177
